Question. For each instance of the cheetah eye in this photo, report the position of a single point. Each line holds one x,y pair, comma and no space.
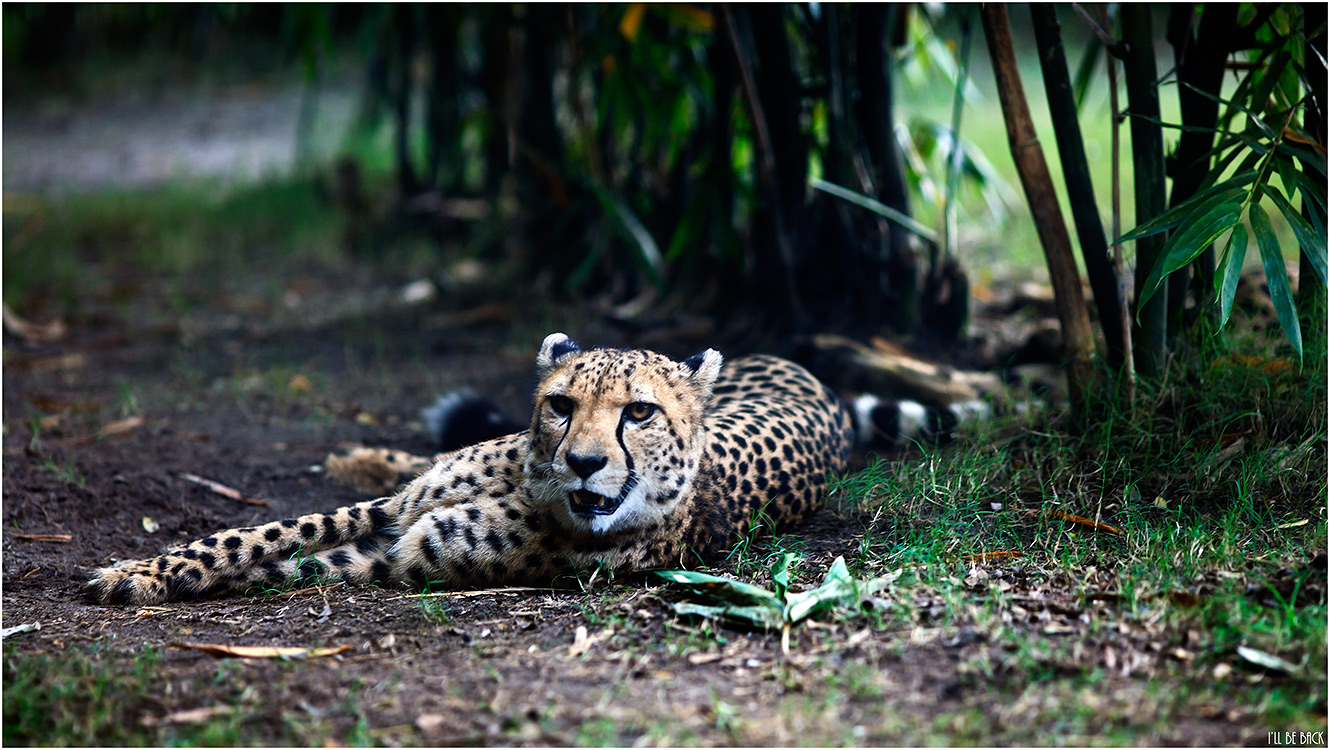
560,405
639,411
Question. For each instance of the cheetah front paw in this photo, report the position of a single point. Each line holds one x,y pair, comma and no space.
130,582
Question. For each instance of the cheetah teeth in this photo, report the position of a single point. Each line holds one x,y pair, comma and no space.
586,501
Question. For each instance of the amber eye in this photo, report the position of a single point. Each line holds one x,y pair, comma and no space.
639,411
560,405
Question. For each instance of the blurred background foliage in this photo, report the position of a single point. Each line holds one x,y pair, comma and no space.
607,150
702,157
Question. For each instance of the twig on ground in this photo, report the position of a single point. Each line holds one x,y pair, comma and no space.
223,490
55,538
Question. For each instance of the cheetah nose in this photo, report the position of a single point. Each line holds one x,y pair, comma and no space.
585,466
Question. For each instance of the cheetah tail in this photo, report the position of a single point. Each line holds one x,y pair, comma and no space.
463,418
881,423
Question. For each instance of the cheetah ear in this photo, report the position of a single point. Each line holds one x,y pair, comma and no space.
556,346
703,368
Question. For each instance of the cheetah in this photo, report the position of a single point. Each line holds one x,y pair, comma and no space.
632,461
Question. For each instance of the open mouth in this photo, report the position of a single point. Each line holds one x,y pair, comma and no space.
587,502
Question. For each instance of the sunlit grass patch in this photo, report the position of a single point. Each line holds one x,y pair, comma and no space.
62,246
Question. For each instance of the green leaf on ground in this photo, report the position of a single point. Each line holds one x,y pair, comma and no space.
747,605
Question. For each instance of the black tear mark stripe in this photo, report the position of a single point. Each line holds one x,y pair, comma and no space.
627,456
568,427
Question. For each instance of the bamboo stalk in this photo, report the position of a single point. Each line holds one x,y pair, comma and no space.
1115,140
1076,172
766,160
1200,62
1147,148
1078,339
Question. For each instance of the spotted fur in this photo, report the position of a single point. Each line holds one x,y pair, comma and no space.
632,460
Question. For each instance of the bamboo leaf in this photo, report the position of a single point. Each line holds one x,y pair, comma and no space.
1311,242
1308,156
1203,228
1270,77
635,232
1085,70
1226,284
722,589
837,588
1252,117
1315,191
1276,276
1244,167
876,207
1242,92
759,616
780,573
1225,192
1191,128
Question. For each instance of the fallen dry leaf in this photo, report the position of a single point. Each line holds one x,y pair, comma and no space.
580,642
223,490
54,538
1079,520
26,627
983,557
35,332
583,642
188,716
430,723
1293,524
263,652
75,361
122,426
1266,661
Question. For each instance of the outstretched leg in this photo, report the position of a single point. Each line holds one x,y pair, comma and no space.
316,543
220,562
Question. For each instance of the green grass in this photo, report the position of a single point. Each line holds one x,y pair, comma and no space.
1203,519
65,471
81,697
72,246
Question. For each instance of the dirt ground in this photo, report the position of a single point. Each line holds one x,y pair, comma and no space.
102,426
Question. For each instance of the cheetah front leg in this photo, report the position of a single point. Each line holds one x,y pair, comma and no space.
224,561
233,560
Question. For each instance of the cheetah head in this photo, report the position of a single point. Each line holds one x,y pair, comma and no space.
616,434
